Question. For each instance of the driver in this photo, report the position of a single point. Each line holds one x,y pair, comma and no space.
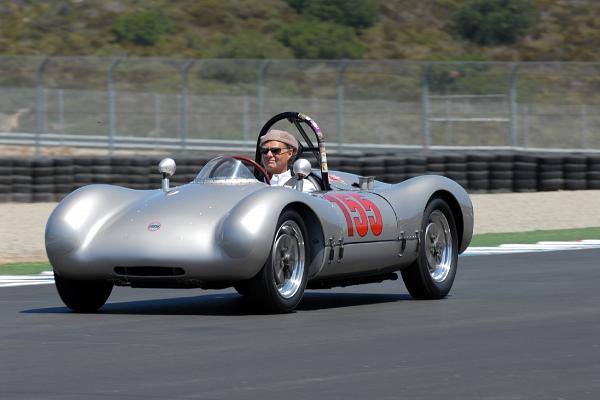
279,149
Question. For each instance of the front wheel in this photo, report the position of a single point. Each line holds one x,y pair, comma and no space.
280,284
431,276
83,296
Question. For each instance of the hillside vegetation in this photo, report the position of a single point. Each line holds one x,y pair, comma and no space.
517,30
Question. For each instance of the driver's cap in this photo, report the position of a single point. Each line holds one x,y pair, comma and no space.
280,136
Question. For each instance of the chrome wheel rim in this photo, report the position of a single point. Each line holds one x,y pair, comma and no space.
288,259
438,246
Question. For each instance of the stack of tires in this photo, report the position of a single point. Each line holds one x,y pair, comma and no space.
122,172
352,165
101,169
501,173
478,172
22,180
436,164
373,166
145,171
64,177
82,168
456,168
575,172
550,173
5,179
42,182
525,173
593,172
395,169
415,166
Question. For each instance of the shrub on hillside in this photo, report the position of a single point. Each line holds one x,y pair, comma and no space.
355,13
494,22
251,44
322,40
142,28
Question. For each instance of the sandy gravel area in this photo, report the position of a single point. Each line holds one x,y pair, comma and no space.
22,233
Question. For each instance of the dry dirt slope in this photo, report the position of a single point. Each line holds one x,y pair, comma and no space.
22,233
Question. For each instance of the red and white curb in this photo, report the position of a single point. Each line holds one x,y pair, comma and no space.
46,278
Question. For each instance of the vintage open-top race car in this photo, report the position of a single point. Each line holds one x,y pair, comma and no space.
229,227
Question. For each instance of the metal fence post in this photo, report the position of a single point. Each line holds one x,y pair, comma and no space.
157,115
246,118
111,106
183,104
526,125
426,107
40,103
340,103
513,105
61,114
584,126
260,93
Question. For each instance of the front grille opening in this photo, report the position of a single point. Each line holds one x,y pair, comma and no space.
149,271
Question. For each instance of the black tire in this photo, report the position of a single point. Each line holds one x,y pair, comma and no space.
575,184
423,280
264,287
501,174
83,296
525,185
501,185
551,184
456,167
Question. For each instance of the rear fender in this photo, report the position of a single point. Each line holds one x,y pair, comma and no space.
409,198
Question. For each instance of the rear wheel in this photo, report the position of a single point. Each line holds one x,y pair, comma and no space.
431,276
83,296
280,284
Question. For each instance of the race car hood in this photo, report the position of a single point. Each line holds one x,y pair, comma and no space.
109,224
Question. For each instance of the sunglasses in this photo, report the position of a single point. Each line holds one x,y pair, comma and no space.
274,150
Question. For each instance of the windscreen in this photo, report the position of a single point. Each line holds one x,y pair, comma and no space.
225,170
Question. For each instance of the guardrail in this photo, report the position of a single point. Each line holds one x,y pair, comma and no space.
44,179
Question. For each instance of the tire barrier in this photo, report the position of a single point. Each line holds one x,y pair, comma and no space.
48,179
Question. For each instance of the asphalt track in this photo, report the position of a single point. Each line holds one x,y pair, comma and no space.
516,326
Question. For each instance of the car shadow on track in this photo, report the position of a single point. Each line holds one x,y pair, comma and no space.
229,304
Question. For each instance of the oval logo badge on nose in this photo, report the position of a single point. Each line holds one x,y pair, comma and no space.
153,226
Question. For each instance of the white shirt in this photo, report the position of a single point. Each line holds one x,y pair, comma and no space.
281,179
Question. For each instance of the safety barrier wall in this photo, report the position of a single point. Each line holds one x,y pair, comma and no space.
47,179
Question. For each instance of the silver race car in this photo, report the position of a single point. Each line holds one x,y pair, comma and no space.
229,227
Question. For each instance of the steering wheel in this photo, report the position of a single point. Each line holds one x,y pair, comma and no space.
256,165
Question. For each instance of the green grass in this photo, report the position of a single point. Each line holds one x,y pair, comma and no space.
495,239
487,239
24,268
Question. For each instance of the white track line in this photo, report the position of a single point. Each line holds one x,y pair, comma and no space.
531,248
46,278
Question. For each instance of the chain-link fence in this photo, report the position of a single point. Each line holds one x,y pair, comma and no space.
211,104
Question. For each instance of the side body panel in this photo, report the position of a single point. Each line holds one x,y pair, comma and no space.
223,233
369,240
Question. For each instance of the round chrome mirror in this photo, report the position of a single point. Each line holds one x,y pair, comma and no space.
302,168
167,166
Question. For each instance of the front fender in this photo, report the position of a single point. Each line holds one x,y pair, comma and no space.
248,229
80,214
